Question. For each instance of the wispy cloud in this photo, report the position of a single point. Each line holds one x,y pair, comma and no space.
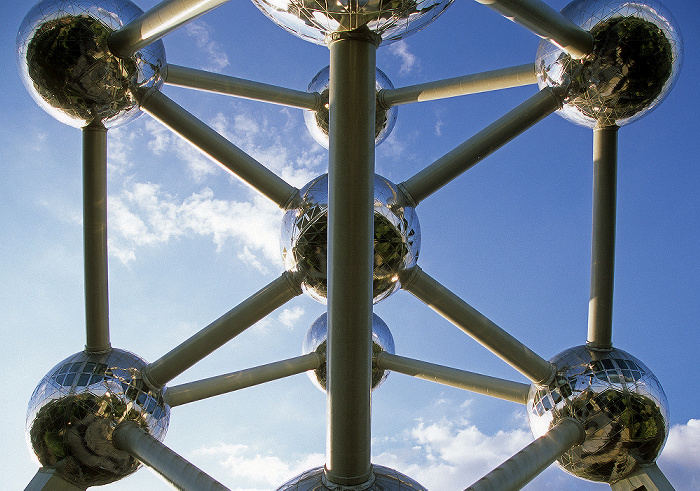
409,61
216,57
243,463
143,215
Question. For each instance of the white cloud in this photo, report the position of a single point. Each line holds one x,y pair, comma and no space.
680,459
143,215
289,316
409,61
241,462
216,57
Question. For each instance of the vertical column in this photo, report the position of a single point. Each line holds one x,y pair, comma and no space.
95,236
603,243
350,256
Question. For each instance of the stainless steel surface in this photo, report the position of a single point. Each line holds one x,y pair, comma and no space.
75,407
316,21
474,382
396,238
385,479
619,403
600,305
67,68
472,322
522,467
636,60
316,341
317,120
177,471
95,237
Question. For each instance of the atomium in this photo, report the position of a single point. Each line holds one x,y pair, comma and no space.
635,61
396,238
67,68
385,479
76,407
316,340
315,20
619,403
317,121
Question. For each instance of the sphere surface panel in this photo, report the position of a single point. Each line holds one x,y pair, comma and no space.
76,406
317,122
315,20
635,61
316,339
619,403
396,238
386,479
66,65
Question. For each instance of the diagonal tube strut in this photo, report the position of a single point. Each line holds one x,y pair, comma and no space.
524,466
503,78
352,102
464,316
129,436
223,384
546,22
95,237
600,306
152,25
461,379
224,84
222,330
484,143
219,148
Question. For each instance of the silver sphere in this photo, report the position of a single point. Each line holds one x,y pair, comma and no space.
316,339
396,238
75,408
66,66
315,20
317,121
619,403
634,64
385,479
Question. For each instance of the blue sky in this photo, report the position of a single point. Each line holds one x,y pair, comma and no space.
511,236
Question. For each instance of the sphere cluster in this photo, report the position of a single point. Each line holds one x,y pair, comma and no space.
317,122
385,479
66,65
76,407
619,403
635,61
315,20
316,339
396,238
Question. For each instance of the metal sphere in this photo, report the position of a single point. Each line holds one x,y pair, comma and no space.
66,66
619,403
317,121
316,339
75,408
385,479
396,238
635,62
315,20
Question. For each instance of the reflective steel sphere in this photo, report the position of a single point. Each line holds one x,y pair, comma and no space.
316,339
620,404
65,63
317,121
635,62
385,479
75,408
396,238
314,20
